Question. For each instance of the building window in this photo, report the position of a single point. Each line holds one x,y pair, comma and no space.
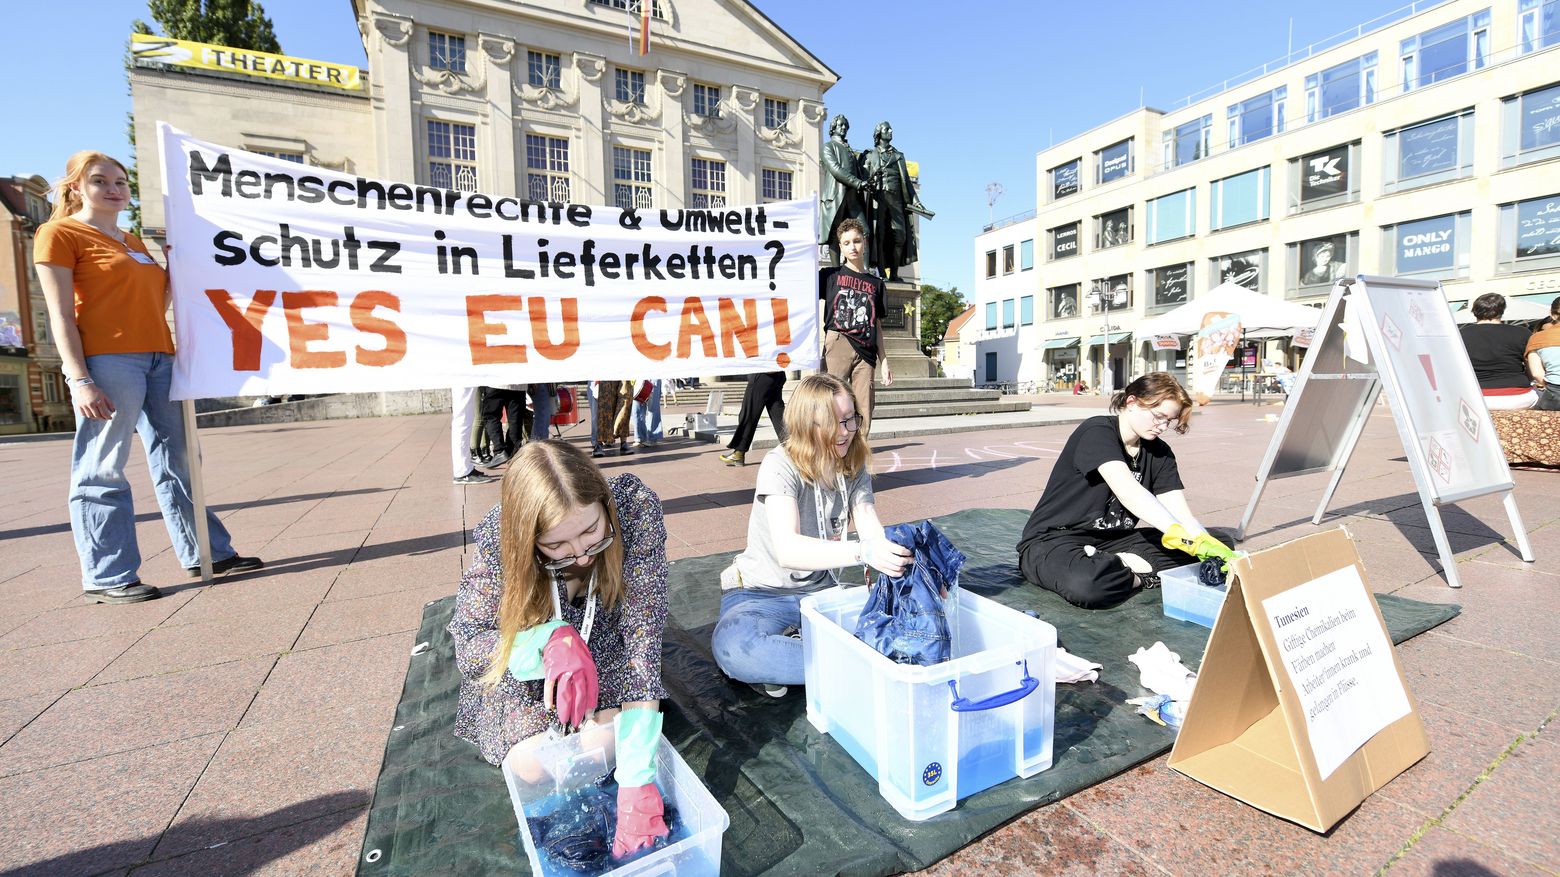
1113,229
1026,255
1064,179
706,100
630,86
1248,269
1258,117
1064,240
776,185
1110,294
11,399
1113,162
1530,126
776,113
991,263
41,336
1446,51
1008,316
709,183
1538,24
1169,286
452,155
1428,249
991,316
294,157
1529,236
51,387
544,70
1239,200
1026,311
1324,179
1064,302
1430,152
1339,89
1007,259
1317,263
1188,142
547,168
630,177
1172,217
632,6
446,52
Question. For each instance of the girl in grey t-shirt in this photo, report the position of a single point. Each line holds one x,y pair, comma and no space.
810,490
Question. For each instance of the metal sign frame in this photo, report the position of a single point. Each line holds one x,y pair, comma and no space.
1359,385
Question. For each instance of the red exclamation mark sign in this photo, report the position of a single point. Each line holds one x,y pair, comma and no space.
782,323
1424,360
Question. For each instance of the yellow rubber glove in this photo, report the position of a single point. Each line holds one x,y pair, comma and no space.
1177,538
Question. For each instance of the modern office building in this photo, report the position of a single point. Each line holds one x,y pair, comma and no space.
560,100
1424,144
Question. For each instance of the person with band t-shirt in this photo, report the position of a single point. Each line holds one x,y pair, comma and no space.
852,320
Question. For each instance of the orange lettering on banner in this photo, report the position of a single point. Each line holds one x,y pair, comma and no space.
300,334
636,328
734,329
782,324
245,324
571,328
478,328
363,320
695,323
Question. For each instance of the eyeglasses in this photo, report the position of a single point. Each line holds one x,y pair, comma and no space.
1162,421
851,423
565,563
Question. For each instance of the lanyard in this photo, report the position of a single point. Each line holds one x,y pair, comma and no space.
825,531
590,604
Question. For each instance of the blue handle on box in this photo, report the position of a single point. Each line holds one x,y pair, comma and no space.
1026,687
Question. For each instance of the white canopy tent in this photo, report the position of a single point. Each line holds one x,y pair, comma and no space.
1260,315
1517,311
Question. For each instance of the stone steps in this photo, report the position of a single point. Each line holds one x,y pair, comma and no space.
939,409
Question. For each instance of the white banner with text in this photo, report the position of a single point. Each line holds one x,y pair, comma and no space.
293,279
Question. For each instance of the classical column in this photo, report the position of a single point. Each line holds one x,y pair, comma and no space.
674,179
594,163
742,186
498,55
393,106
809,181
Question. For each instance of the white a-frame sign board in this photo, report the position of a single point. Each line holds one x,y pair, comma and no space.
1402,340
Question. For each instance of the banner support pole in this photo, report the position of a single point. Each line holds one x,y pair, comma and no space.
197,490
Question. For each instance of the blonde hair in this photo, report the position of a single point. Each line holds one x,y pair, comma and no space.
66,200
546,481
811,426
1151,389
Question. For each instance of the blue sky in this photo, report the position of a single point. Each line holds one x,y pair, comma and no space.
972,97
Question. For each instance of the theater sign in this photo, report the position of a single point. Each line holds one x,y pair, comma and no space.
149,48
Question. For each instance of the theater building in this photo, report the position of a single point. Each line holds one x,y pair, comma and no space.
1424,144
704,104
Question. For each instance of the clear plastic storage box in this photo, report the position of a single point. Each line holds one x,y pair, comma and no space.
1188,599
579,759
933,735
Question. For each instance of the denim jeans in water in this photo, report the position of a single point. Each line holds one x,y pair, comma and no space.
647,416
904,617
749,641
102,516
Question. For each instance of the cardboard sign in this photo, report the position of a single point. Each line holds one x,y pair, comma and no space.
1301,708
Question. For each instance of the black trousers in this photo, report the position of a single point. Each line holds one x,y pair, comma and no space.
496,402
1060,563
762,394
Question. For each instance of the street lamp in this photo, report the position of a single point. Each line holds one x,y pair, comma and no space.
1107,301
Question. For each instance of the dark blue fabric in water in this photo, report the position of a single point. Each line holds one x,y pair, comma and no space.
1211,572
904,617
576,835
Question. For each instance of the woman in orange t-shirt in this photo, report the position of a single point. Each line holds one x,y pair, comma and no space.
107,298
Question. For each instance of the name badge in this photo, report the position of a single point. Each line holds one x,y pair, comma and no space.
142,258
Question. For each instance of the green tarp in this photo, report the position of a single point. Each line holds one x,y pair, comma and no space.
798,803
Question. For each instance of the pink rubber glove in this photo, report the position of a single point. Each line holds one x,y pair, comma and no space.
641,819
570,676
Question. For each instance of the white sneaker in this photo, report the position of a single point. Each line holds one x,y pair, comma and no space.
766,688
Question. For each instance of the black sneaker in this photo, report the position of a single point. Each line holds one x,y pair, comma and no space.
475,477
597,452
1147,580
499,459
236,563
135,592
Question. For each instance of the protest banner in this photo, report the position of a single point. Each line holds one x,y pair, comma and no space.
294,279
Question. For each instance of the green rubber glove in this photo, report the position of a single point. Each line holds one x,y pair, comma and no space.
638,737
525,656
1205,546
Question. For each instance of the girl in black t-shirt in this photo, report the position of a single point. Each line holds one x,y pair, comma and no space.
1082,540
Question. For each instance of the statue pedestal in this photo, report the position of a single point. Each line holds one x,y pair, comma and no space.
901,329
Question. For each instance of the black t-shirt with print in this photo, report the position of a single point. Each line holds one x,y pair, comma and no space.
1076,497
853,307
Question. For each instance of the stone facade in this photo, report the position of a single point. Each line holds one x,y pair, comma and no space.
36,399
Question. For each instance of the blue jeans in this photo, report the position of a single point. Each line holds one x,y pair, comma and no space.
102,514
543,404
647,416
748,641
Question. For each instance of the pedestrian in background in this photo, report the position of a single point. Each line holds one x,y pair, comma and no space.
763,394
107,300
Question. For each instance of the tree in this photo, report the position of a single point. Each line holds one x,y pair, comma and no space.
240,24
938,307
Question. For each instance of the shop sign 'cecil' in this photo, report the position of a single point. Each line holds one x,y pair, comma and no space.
292,279
204,56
